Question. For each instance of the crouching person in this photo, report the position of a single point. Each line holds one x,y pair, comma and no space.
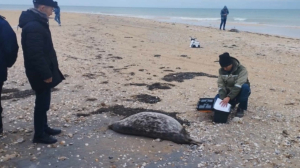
41,65
233,83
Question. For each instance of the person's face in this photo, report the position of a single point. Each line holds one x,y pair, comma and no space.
46,9
228,68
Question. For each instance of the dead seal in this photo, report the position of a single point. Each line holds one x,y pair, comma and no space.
153,125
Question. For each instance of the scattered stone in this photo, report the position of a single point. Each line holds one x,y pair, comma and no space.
285,133
62,158
63,142
237,120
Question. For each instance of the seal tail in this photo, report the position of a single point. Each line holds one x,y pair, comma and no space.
110,126
194,142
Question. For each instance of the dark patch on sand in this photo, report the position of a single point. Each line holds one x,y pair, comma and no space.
91,99
234,30
13,90
181,76
115,57
136,84
90,75
69,56
126,112
154,86
21,94
119,69
168,70
147,98
157,55
93,76
132,73
66,75
105,82
99,56
185,56
160,86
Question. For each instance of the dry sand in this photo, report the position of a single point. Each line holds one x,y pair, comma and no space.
101,55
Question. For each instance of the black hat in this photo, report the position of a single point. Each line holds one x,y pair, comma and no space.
46,2
225,60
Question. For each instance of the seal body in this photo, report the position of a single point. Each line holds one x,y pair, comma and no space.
153,125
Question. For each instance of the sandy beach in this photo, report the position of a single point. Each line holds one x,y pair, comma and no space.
110,61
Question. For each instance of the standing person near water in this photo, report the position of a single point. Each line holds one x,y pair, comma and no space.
224,13
57,15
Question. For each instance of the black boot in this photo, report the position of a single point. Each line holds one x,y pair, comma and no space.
52,131
46,139
239,113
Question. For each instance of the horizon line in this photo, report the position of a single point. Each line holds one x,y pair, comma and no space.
149,7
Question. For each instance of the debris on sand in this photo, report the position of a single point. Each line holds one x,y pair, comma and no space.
147,98
181,76
160,86
234,30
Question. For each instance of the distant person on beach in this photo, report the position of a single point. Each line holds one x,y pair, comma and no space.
233,83
41,65
8,55
57,15
224,13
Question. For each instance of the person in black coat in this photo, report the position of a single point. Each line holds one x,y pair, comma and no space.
8,55
41,64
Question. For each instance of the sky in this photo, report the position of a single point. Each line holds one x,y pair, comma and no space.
237,4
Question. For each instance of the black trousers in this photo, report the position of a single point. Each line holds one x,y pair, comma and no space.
42,105
1,85
223,23
1,109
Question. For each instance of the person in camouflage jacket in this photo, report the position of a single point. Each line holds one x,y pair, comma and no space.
233,83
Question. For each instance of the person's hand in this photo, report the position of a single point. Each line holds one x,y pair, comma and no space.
48,80
225,101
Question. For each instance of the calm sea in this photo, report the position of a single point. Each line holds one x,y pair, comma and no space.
283,22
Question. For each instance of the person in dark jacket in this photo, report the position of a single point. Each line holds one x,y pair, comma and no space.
41,65
233,83
57,15
8,55
224,13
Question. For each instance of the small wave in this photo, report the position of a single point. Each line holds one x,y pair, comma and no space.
198,19
239,19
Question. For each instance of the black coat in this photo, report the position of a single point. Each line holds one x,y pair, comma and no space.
8,48
39,54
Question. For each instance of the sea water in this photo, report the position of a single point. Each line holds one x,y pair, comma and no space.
282,22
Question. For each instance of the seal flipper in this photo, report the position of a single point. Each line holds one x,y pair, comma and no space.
195,142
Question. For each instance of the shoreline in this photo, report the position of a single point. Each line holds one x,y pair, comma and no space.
267,29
